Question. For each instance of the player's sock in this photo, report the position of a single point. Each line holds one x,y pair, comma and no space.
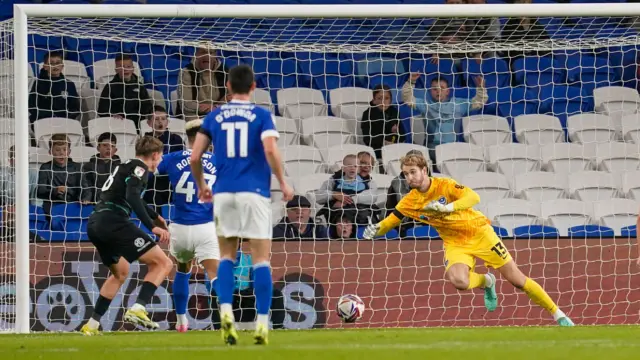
263,289
101,307
225,285
536,293
146,293
476,280
181,295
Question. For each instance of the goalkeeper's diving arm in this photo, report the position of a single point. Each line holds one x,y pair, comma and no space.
393,220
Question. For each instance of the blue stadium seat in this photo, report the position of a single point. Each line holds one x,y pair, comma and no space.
90,51
629,231
535,71
500,231
510,102
273,72
37,219
71,218
495,72
391,235
423,232
588,71
590,231
535,232
561,101
444,68
376,70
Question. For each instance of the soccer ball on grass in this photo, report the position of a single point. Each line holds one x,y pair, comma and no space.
350,308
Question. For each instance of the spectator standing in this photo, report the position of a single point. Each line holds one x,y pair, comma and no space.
52,95
202,85
158,121
97,170
298,224
441,110
125,97
59,179
380,123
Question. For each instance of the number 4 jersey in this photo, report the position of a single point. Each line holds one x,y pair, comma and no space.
188,209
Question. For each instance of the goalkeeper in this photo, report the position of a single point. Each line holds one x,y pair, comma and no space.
467,234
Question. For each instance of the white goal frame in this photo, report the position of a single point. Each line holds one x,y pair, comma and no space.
22,13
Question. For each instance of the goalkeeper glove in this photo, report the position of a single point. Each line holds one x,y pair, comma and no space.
438,207
371,231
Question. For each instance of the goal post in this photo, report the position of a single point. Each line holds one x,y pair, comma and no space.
409,275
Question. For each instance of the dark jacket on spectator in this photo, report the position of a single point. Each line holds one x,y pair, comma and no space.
51,175
53,97
95,173
397,190
376,127
172,142
129,99
285,230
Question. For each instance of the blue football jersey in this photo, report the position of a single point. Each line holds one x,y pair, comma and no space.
188,209
236,130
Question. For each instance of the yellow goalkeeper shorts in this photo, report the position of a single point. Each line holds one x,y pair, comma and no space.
485,245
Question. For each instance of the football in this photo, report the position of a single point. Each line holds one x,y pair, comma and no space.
350,308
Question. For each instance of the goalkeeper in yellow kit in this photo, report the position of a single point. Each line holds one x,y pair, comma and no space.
467,234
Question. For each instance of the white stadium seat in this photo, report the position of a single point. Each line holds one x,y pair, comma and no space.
81,154
514,159
76,72
276,194
7,72
565,158
617,156
326,131
124,130
616,101
38,156
565,213
336,153
158,98
301,103
489,185
288,129
302,160
383,182
391,155
126,152
458,159
104,70
486,130
630,128
540,186
173,99
262,97
615,213
590,186
631,184
278,211
7,137
591,128
512,213
349,103
44,128
176,126
307,184
538,129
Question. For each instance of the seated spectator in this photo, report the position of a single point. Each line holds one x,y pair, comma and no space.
59,179
201,85
7,193
442,111
297,224
97,170
348,190
398,188
344,228
158,121
366,162
52,95
380,123
125,97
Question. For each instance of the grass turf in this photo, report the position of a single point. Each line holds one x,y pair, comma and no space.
614,343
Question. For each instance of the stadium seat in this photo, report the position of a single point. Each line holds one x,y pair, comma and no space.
616,101
392,153
590,128
535,232
350,102
513,159
564,158
538,129
307,184
327,71
104,70
383,182
631,184
535,71
71,218
629,231
176,126
38,156
302,160
512,101
391,235
173,101
442,69
565,213
459,159
540,186
630,128
44,128
76,72
37,219
276,194
495,72
81,154
7,137
301,103
263,98
512,213
615,213
489,185
157,98
124,130
325,132
590,186
90,99
336,153
7,73
126,152
590,231
377,70
588,71
423,232
486,130
560,100
278,211
288,129
617,156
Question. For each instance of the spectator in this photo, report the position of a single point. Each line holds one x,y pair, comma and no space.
482,29
344,228
59,179
449,31
202,85
125,97
298,224
441,110
397,190
96,171
158,121
380,123
523,29
366,162
52,95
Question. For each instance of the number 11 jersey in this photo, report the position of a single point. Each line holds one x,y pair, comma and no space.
188,210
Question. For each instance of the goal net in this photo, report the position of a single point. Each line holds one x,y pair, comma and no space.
538,115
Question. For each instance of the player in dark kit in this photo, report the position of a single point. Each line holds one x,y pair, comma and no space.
120,242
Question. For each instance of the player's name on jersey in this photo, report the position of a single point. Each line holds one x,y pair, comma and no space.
206,163
241,111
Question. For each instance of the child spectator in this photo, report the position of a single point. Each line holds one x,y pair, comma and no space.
158,121
298,224
96,171
59,179
52,95
344,228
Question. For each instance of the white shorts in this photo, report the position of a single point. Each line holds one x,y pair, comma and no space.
190,242
244,215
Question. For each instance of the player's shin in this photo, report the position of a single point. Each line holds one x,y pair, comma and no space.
263,289
181,296
101,307
476,280
536,293
225,286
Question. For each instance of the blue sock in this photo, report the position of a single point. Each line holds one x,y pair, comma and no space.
262,287
225,282
181,292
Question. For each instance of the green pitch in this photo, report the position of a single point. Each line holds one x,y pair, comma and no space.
609,343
